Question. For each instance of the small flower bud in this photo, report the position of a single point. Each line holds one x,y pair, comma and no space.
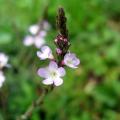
62,63
56,40
59,51
65,40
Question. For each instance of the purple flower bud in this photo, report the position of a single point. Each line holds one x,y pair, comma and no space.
56,40
65,40
59,51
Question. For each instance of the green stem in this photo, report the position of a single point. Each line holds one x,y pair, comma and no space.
35,104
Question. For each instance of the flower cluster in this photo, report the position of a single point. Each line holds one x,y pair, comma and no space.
54,72
3,63
37,34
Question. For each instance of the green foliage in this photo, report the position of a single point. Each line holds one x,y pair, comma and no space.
91,92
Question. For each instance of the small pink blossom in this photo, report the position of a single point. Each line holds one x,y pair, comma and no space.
2,78
71,60
52,74
45,53
59,51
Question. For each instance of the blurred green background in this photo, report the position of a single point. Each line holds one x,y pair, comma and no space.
91,92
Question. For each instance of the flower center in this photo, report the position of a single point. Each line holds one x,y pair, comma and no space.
69,62
53,74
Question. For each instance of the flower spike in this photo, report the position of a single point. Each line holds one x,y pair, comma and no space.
55,70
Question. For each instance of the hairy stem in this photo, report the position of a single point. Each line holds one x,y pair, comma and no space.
61,24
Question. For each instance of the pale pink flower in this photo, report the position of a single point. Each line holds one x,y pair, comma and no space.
45,53
52,74
71,60
39,41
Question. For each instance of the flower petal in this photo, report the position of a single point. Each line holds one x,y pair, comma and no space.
39,42
46,49
53,65
58,81
33,29
47,81
28,40
76,62
71,60
61,71
42,33
43,72
41,55
45,53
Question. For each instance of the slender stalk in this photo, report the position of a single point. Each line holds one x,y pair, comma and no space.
61,25
35,104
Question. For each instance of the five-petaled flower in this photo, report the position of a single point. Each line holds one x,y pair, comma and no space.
45,53
52,74
71,60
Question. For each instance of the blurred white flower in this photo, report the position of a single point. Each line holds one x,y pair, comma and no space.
28,40
71,60
38,41
2,78
33,29
3,60
45,53
52,74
